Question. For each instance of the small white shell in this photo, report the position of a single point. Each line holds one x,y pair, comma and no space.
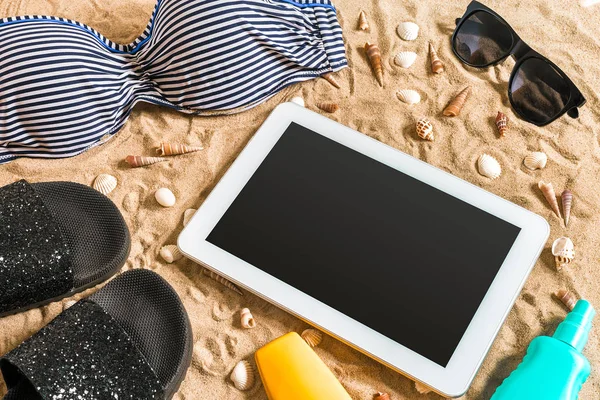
489,166
408,30
242,375
408,96
170,253
165,197
536,160
405,59
187,215
105,183
298,100
563,251
312,336
248,321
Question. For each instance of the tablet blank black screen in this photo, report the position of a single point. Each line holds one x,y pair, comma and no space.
395,254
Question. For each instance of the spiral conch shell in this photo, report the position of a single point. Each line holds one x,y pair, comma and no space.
105,183
456,105
425,129
242,375
502,123
363,24
328,107
408,31
405,59
408,96
437,66
173,149
489,166
331,79
563,251
170,253
382,396
548,191
216,277
567,298
536,160
312,336
248,321
567,201
374,56
141,161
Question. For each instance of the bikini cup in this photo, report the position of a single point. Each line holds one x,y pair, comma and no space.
65,88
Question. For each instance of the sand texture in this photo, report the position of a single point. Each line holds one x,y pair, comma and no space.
561,30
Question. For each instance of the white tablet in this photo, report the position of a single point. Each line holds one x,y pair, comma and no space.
402,261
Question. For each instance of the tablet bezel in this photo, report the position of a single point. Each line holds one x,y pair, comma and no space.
452,380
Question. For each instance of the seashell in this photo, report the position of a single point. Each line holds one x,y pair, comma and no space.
425,129
408,96
422,389
489,166
453,109
170,253
187,215
536,160
141,161
216,277
328,107
382,396
248,321
312,336
550,196
331,79
436,64
405,59
173,149
408,30
374,56
567,298
567,201
242,375
298,100
502,123
363,24
165,197
563,251
105,183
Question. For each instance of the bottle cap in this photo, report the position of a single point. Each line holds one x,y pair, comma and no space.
575,328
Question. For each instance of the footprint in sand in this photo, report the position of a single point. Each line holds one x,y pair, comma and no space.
131,202
215,356
197,294
221,312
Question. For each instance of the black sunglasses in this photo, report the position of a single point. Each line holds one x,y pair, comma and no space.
538,90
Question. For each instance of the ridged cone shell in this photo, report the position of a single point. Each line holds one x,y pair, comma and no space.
405,59
489,166
567,201
502,123
563,251
187,215
550,195
425,129
247,320
105,183
328,107
436,64
408,30
408,96
363,23
382,396
457,103
170,253
312,336
142,161
242,375
331,79
374,56
216,277
422,389
172,149
567,298
536,160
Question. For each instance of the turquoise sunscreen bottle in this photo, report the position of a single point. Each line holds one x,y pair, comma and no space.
553,368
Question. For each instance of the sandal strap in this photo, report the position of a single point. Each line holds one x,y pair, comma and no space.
35,262
82,354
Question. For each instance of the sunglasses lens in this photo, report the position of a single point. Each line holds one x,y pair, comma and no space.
538,90
482,39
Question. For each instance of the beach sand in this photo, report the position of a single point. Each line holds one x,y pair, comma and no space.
563,31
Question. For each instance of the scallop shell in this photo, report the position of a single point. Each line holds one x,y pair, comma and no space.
374,55
536,160
363,24
502,123
142,161
405,59
165,197
489,166
331,79
437,66
328,107
422,389
382,396
248,321
187,215
408,96
105,183
563,251
567,201
567,298
408,30
456,105
221,280
173,149
170,253
242,375
298,100
548,191
425,129
312,336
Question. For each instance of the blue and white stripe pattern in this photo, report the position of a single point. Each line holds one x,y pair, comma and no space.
65,88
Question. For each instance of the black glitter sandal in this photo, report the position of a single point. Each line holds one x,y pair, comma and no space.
56,239
130,340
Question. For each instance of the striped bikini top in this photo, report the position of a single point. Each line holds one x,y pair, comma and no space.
65,88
